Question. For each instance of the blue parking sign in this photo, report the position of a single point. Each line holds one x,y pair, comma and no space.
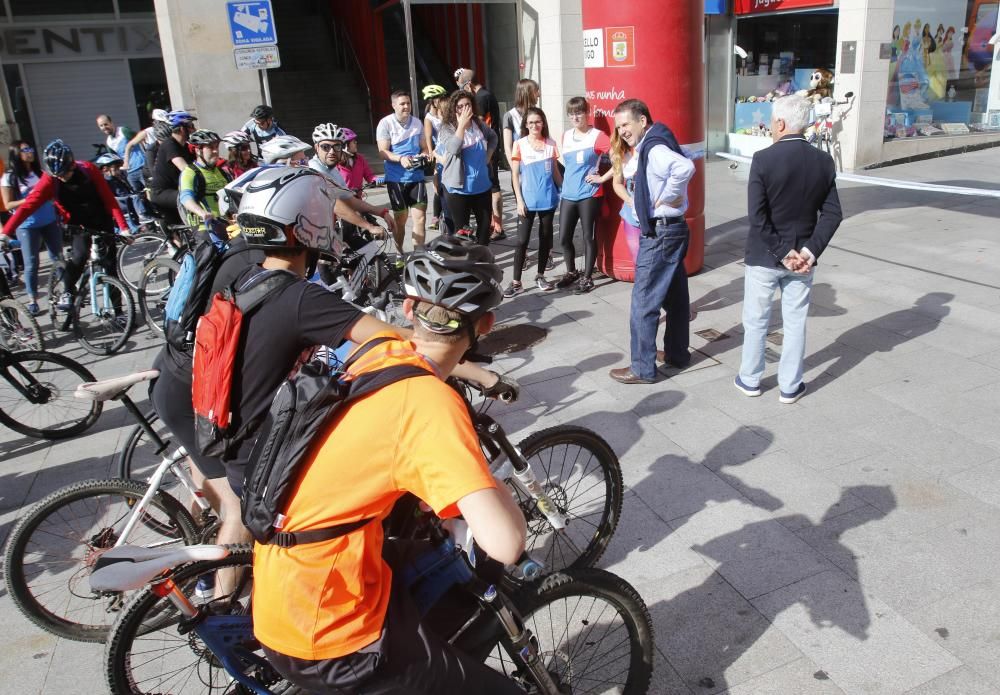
251,23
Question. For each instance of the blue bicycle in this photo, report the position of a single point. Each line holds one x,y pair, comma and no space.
101,311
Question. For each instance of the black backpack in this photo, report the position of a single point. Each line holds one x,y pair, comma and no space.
301,410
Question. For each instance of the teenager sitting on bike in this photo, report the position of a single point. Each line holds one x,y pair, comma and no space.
22,175
239,158
288,213
200,184
111,167
81,197
328,139
333,616
286,150
172,157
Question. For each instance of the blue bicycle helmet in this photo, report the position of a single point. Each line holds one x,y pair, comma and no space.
179,118
58,157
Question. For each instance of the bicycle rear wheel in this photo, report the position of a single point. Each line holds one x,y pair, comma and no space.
54,547
593,631
583,477
103,323
147,653
18,328
136,252
154,290
36,395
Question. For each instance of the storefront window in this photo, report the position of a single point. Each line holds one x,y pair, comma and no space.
22,9
941,68
783,51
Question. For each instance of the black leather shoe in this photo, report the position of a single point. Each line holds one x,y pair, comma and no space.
626,376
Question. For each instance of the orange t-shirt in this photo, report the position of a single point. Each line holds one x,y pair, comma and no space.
324,600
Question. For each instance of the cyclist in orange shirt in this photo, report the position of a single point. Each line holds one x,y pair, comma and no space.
332,615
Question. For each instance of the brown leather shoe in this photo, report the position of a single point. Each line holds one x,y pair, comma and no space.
626,376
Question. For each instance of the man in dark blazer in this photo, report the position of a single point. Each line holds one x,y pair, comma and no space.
794,210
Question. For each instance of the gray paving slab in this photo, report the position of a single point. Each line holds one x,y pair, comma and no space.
843,544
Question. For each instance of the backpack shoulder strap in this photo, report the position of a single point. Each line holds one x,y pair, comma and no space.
253,291
365,384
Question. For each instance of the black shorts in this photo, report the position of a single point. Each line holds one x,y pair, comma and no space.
171,398
403,196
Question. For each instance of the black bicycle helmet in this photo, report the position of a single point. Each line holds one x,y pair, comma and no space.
58,157
162,130
262,112
455,275
204,137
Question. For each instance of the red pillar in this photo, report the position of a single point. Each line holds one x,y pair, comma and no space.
652,50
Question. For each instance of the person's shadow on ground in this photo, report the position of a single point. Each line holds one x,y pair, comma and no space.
883,334
703,631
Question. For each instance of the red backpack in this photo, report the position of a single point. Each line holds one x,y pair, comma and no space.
216,342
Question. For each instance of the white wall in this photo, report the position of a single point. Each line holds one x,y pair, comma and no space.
553,46
198,58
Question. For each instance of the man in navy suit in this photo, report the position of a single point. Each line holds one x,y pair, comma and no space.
794,210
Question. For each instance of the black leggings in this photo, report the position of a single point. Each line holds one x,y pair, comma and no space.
524,225
586,211
462,207
79,254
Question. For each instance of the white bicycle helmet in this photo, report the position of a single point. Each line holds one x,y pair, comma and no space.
236,137
287,207
328,131
282,147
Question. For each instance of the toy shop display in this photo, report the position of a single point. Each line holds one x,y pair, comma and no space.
938,79
752,115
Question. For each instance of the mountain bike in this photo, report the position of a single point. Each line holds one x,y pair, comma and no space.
54,546
151,241
579,631
102,311
36,395
367,275
18,328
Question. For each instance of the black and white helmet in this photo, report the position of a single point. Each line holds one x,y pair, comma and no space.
455,275
328,131
282,147
58,157
204,137
289,206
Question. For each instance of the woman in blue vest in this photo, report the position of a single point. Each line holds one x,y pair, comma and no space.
583,149
23,173
465,147
536,180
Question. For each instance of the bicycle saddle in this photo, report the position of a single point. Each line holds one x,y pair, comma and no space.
131,567
110,389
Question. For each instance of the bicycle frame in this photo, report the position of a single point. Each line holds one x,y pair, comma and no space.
28,386
95,272
171,463
508,463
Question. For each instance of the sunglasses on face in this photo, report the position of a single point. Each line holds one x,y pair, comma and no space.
28,150
326,147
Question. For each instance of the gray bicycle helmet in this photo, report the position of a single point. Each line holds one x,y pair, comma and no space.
455,275
107,159
162,130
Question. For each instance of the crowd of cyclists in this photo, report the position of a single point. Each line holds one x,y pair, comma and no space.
283,205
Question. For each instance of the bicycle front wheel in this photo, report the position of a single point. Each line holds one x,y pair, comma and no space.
53,549
104,317
36,395
148,653
582,476
139,250
593,632
18,329
154,290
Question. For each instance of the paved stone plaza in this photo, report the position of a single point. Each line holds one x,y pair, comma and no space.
844,544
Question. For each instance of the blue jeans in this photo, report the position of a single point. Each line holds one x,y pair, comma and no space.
138,184
660,283
758,292
31,245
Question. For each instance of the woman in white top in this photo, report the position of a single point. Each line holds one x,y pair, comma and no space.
526,95
23,173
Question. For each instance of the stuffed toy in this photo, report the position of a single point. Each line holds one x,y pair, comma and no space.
820,86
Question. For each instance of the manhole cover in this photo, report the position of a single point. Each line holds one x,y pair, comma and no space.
775,338
711,335
512,339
